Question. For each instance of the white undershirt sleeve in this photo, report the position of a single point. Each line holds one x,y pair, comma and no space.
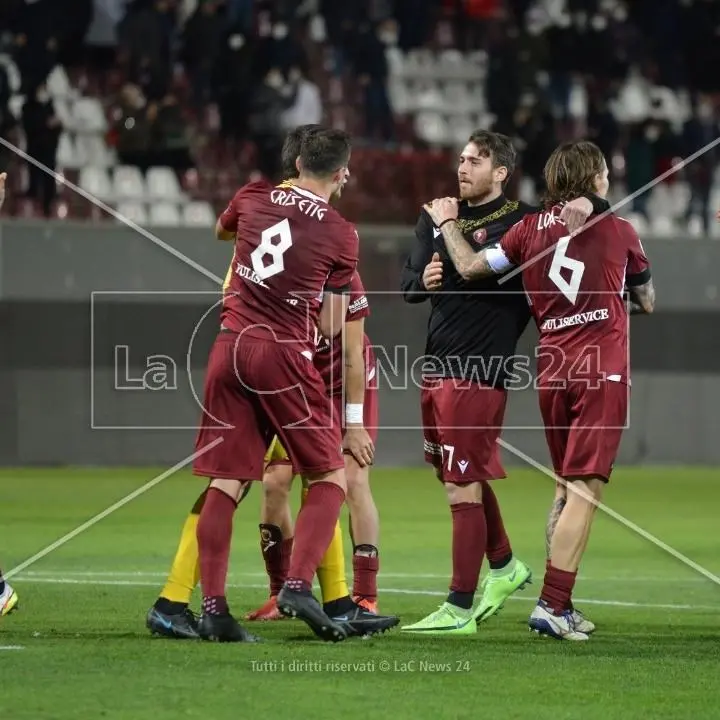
497,260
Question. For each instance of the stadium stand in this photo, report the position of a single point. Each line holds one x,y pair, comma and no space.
164,107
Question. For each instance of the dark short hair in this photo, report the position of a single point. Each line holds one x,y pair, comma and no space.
498,147
571,170
324,151
291,149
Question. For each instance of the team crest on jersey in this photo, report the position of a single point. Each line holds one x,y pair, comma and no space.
479,236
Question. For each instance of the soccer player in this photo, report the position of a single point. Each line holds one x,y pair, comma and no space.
575,286
8,597
473,331
170,615
295,257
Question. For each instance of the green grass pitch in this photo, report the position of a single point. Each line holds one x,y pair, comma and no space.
85,652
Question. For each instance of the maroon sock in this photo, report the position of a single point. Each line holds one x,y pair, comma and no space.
557,588
314,530
365,570
469,542
214,534
499,552
276,553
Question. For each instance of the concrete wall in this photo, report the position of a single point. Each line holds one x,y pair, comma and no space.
73,297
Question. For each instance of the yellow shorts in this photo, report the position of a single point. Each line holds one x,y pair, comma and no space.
276,453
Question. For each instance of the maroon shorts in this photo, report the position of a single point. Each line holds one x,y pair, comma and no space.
370,412
462,422
254,390
583,427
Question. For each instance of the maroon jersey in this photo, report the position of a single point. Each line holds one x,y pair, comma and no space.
329,357
576,291
290,245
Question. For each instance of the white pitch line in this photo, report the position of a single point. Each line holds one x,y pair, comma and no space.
11,647
108,511
390,575
609,511
390,591
118,216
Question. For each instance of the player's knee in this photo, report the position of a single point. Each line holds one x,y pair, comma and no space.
357,478
232,488
337,477
584,493
465,493
277,482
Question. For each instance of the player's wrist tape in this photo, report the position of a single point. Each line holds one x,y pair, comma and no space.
354,414
446,221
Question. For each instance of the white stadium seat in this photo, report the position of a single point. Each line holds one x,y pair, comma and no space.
96,182
638,222
663,226
62,107
460,127
432,128
133,211
94,150
198,214
396,61
400,99
451,63
164,214
69,155
128,183
89,116
16,105
58,84
429,97
162,184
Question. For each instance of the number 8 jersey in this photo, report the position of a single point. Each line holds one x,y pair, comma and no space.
575,287
290,246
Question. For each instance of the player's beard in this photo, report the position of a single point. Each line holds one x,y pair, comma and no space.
476,192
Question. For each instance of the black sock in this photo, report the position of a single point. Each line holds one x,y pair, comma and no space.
339,607
198,506
168,607
368,550
501,563
461,599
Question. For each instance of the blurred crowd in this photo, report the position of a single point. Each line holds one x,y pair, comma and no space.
639,77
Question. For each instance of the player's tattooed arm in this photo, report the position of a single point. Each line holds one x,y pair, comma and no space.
552,521
642,298
3,177
467,262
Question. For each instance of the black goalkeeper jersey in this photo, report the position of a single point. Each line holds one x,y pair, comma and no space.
475,325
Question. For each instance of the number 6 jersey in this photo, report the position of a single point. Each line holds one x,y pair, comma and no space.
290,247
575,287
